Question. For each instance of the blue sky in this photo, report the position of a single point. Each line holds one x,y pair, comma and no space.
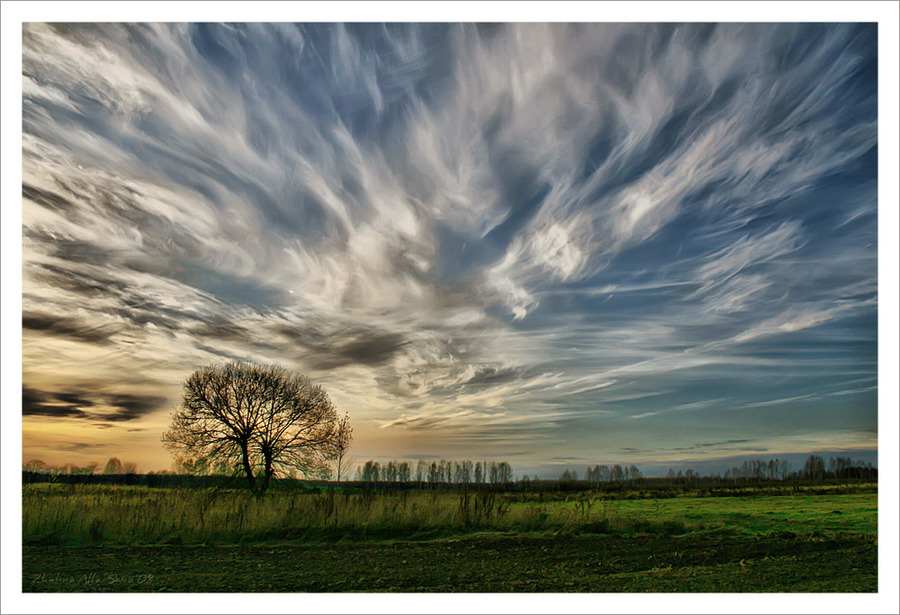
551,244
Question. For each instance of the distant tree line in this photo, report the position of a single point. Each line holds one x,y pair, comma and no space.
760,469
464,472
467,472
600,474
113,466
838,467
814,468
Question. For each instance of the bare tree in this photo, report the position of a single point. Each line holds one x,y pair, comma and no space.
421,471
114,466
403,472
814,467
343,436
36,465
259,420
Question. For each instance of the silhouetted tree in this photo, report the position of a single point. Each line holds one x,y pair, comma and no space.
403,472
433,474
421,470
256,419
113,466
340,444
371,471
814,467
616,474
36,465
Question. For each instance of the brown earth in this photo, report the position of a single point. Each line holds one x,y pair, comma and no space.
489,563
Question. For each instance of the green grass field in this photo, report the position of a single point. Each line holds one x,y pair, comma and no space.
103,538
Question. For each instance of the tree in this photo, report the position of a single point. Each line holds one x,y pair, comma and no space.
36,465
814,467
403,472
616,474
343,436
421,470
114,466
371,471
433,473
259,420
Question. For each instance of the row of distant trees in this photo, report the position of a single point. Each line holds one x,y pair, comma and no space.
814,468
604,473
482,472
838,467
113,466
760,469
464,472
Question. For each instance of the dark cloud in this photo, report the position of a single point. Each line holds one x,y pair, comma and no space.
47,199
222,330
63,326
343,347
85,405
67,278
131,407
69,249
77,399
367,348
83,446
41,403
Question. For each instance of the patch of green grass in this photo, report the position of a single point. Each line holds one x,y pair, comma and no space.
826,514
105,538
78,515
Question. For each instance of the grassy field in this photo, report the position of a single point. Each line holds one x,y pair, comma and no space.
103,538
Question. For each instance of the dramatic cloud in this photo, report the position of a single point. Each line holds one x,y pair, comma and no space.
625,240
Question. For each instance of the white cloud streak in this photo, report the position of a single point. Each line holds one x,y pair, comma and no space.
427,223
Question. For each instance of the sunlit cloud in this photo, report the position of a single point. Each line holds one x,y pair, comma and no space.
501,235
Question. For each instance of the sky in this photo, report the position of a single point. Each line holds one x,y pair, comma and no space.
551,244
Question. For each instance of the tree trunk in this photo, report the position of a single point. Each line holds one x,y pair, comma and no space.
248,469
267,474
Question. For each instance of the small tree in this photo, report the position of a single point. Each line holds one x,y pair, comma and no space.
814,467
421,470
254,419
114,466
36,465
343,436
616,474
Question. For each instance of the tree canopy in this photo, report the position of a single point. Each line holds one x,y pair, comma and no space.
258,420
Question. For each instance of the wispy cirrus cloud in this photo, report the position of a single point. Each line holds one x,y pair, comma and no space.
478,229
